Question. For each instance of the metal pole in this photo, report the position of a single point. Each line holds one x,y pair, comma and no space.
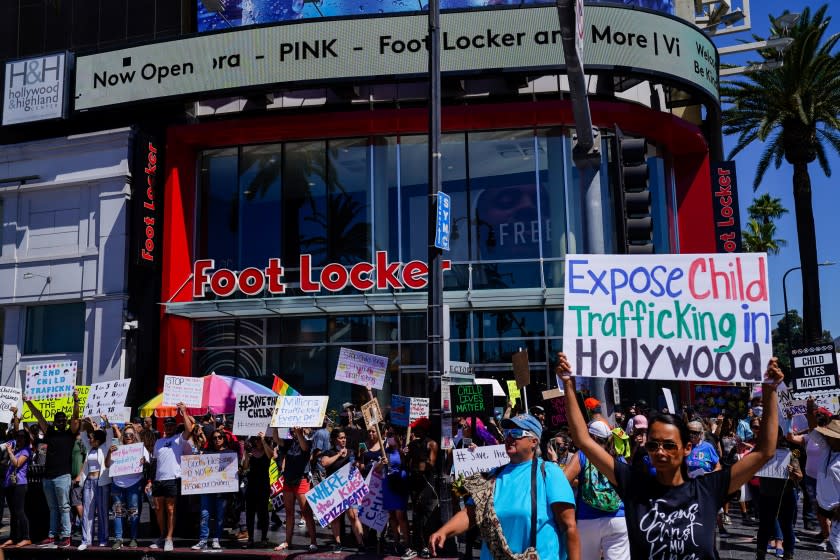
434,318
787,314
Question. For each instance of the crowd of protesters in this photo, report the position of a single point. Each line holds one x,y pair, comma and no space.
640,483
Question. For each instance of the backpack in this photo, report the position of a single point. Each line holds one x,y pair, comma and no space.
596,490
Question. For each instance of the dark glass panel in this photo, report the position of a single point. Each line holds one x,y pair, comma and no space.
304,202
259,205
348,201
413,326
494,276
141,18
85,24
501,351
31,28
112,21
349,328
511,323
220,207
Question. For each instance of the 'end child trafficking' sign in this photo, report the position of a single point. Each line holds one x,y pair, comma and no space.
668,317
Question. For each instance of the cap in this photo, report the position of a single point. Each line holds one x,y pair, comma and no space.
422,424
824,411
524,421
757,411
347,405
599,429
169,420
695,426
832,429
537,410
640,422
591,403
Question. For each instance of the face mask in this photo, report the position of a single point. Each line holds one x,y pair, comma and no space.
391,442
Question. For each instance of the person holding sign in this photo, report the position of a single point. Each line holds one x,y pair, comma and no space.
15,483
126,489
333,460
213,504
670,511
167,454
93,477
56,482
524,505
294,458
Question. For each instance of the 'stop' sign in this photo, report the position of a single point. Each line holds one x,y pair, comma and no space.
524,39
34,89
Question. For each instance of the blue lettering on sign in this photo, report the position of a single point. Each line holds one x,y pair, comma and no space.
444,221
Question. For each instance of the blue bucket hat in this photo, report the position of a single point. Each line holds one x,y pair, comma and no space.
524,421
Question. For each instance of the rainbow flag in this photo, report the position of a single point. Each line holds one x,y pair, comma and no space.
282,388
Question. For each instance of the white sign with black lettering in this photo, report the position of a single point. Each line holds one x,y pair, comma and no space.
34,89
481,459
777,467
814,369
9,397
253,414
107,398
187,390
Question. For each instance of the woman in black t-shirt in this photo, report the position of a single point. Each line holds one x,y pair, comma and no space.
670,515
293,456
332,461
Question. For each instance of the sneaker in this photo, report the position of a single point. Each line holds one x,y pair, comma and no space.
425,553
825,546
82,547
771,549
302,523
313,548
103,544
409,554
337,548
241,536
726,519
49,542
64,543
168,546
780,553
117,544
215,545
157,544
200,545
133,543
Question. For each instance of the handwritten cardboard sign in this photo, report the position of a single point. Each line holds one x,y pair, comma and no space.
470,400
371,413
372,512
668,317
50,380
521,368
361,368
9,397
481,459
419,408
513,391
555,412
50,407
253,414
127,459
777,467
211,473
305,412
400,409
107,398
179,389
342,489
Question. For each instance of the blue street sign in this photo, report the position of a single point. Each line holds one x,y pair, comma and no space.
444,204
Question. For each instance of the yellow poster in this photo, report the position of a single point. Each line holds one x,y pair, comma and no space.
513,390
49,407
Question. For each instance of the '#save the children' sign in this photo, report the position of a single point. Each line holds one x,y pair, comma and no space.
668,317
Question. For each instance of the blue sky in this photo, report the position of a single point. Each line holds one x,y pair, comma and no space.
826,196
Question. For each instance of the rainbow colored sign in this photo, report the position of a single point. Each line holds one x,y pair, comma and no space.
668,317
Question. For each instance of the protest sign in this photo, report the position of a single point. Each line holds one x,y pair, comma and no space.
496,389
179,389
253,414
400,408
777,467
513,390
50,407
106,398
521,368
668,317
50,380
342,489
9,397
371,413
361,368
481,459
814,369
419,408
211,473
299,411
447,440
555,412
669,400
119,415
469,400
372,512
794,407
127,459
456,372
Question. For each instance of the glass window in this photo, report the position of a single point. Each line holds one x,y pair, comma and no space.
555,174
349,328
348,207
386,328
494,276
509,323
259,205
502,351
53,329
220,210
413,326
218,332
305,202
297,330
386,196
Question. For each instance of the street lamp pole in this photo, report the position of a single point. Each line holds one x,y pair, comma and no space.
784,294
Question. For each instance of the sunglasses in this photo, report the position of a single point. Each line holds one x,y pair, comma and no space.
693,433
129,434
218,437
652,445
518,433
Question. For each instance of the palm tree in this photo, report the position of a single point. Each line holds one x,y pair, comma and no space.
793,110
759,237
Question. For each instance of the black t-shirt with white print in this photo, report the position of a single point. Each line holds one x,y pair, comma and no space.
671,522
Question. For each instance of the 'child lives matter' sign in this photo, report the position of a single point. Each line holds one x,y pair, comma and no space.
668,317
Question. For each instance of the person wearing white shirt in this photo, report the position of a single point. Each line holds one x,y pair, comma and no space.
167,484
95,482
126,490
